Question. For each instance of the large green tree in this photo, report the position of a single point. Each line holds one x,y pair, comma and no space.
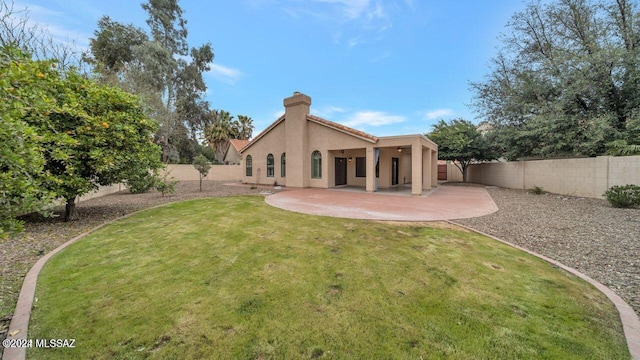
566,80
87,134
460,141
22,91
161,68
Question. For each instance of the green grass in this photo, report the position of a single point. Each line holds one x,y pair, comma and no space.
233,278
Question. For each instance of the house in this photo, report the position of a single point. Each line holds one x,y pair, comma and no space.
301,150
232,156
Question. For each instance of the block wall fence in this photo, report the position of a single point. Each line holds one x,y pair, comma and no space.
181,172
587,177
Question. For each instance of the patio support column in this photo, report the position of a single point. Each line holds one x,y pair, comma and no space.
434,168
416,169
426,169
371,169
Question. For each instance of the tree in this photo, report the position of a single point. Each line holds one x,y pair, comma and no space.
201,163
162,69
90,135
461,142
21,161
245,127
566,80
114,46
219,132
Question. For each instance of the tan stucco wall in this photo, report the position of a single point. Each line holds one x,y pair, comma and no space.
324,139
232,157
589,177
453,172
180,172
271,143
185,172
102,191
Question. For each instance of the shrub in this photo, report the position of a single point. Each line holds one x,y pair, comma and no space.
623,196
166,185
141,183
537,190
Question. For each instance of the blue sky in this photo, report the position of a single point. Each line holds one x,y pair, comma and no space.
387,67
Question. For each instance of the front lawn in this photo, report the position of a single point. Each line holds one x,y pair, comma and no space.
234,278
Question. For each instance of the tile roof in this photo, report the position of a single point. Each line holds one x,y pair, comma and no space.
238,144
318,120
342,128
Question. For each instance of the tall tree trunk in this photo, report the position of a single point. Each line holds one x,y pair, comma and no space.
71,212
200,182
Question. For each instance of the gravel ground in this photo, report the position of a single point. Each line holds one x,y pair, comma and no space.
42,235
586,234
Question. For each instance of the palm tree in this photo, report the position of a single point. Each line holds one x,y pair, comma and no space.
219,132
245,128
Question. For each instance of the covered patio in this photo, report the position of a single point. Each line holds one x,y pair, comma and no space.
390,162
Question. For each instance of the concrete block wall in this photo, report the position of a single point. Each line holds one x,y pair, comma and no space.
102,191
509,174
624,170
185,172
588,177
453,173
180,172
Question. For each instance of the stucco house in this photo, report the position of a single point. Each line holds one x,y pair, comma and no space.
301,150
232,156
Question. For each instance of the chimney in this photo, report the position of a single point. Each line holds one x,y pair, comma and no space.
299,102
298,156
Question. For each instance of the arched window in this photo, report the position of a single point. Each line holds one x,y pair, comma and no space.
270,165
249,164
316,165
283,165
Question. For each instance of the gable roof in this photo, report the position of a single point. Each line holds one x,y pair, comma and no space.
238,144
318,120
263,133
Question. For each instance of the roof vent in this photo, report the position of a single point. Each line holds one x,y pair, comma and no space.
296,93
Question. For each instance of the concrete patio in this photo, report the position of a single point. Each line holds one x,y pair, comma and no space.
442,203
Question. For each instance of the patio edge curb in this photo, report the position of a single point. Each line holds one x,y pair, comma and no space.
628,317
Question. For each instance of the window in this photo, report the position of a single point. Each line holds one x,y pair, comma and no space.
249,166
270,165
361,167
283,165
316,165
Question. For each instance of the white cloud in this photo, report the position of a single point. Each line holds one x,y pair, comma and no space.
353,22
350,9
46,22
438,113
327,111
373,118
225,73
